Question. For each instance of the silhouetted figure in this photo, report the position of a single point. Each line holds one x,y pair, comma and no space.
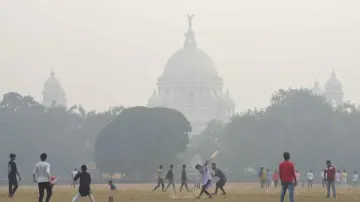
170,177
84,184
222,179
184,178
12,175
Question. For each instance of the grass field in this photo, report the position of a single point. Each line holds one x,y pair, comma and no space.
140,193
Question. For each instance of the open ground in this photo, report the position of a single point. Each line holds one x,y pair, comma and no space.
140,193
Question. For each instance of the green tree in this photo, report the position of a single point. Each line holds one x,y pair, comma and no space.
140,139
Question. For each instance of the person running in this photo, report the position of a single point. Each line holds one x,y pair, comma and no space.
355,179
160,179
338,177
184,179
73,174
41,175
330,178
222,179
170,177
344,178
84,184
206,179
275,178
310,178
12,176
287,177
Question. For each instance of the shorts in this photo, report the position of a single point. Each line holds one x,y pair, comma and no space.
221,183
207,184
13,181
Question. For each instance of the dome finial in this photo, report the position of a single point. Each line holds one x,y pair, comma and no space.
52,74
333,74
190,35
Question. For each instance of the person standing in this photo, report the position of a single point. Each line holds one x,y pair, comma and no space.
41,175
275,178
310,178
338,177
84,185
73,174
330,178
298,177
355,179
344,178
12,176
268,179
262,177
184,179
287,177
160,179
222,179
170,177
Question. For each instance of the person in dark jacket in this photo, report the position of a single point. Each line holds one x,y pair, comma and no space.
12,174
84,185
170,178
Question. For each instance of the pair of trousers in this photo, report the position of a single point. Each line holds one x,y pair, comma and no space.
287,186
42,187
332,185
78,195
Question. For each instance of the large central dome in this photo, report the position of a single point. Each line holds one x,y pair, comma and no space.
189,61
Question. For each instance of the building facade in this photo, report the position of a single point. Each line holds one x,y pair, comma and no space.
191,85
53,93
332,90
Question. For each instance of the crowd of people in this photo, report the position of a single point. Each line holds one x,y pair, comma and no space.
205,181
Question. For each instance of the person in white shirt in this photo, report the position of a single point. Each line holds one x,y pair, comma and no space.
323,178
73,174
355,179
41,175
310,178
206,178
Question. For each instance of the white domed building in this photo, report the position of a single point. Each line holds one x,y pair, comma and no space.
191,85
332,90
53,93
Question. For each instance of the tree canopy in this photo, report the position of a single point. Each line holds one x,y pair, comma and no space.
140,139
296,121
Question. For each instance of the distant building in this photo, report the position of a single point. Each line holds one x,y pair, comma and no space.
191,85
53,93
332,90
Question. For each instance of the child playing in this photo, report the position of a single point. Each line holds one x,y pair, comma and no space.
84,185
112,186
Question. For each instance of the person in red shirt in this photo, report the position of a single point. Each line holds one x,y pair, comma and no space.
287,177
330,173
275,178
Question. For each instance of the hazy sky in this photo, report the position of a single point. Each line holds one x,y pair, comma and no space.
111,52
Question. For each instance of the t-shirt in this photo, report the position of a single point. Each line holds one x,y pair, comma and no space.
263,175
275,176
268,176
330,173
287,171
310,176
183,175
74,173
160,171
219,174
355,177
297,176
338,177
323,174
42,171
12,169
170,175
343,175
85,180
206,176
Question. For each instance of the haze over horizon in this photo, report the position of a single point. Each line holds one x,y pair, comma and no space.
109,53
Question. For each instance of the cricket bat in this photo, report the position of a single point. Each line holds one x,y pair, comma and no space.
214,155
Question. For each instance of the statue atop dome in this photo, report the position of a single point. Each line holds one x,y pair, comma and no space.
190,35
